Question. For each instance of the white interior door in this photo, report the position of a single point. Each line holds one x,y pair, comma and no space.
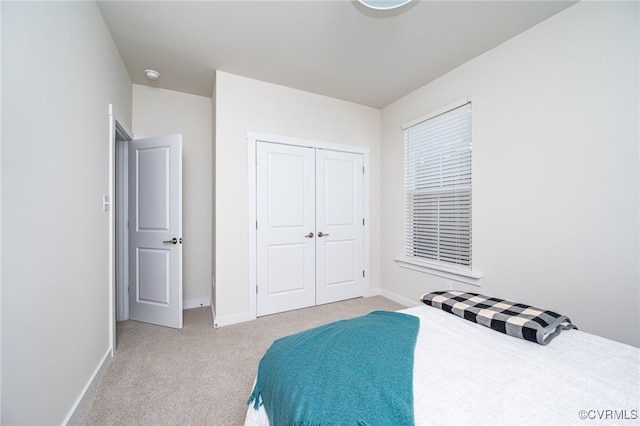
285,234
339,225
155,230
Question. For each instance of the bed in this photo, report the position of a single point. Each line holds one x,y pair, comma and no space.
466,373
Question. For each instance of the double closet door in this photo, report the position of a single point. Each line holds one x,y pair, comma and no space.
310,227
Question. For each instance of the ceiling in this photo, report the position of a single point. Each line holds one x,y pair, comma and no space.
336,48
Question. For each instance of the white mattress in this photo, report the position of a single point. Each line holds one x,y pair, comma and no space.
465,373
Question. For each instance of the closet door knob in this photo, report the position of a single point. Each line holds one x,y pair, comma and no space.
320,234
309,235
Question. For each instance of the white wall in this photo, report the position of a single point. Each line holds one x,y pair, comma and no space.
243,105
60,70
158,112
555,169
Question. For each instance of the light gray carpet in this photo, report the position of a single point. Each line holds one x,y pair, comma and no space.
199,375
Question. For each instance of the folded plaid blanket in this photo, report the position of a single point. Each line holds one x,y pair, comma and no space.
515,319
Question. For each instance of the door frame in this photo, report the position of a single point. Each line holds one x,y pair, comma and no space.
253,138
118,131
122,228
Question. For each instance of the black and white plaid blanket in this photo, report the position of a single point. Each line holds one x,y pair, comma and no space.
515,319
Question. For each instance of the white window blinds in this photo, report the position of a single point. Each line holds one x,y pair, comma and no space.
438,188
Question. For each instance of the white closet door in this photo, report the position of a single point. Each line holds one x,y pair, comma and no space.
339,225
286,227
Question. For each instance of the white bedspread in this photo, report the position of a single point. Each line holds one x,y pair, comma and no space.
467,374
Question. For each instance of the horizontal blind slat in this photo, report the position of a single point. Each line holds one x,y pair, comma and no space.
438,185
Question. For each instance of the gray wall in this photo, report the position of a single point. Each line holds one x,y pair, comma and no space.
158,112
555,169
243,104
60,70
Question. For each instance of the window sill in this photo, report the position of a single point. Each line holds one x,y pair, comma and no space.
467,277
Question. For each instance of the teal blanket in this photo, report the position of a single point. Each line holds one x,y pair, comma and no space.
352,372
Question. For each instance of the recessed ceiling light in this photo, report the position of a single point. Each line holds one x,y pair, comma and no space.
152,74
384,4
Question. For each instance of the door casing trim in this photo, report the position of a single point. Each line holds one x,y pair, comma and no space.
118,131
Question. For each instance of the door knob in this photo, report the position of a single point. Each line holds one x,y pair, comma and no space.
309,235
174,240
320,234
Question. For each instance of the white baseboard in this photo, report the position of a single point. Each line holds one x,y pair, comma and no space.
88,389
392,296
232,319
399,299
373,292
196,303
238,318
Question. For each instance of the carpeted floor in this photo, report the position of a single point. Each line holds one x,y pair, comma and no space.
199,375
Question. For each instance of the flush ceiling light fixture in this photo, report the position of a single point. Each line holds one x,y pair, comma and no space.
384,4
152,74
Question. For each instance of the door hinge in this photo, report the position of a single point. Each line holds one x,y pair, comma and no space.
362,169
363,221
256,224
256,289
362,274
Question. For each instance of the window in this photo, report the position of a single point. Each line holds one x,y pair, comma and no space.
438,187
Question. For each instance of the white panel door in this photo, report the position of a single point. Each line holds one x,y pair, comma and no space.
155,230
285,234
339,225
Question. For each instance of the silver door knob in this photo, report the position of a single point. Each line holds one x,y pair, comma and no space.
174,240
320,234
309,235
